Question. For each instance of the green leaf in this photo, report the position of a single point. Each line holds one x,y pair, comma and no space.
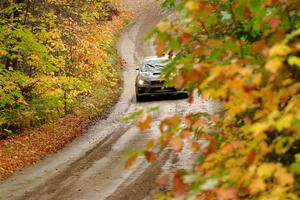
295,168
132,116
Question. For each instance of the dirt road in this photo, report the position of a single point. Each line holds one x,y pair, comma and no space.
91,167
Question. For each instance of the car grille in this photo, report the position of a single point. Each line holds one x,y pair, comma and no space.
157,83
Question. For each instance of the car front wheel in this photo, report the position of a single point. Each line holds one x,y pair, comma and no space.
139,98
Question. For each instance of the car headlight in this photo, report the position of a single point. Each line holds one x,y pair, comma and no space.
141,82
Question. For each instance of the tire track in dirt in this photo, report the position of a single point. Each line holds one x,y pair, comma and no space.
70,174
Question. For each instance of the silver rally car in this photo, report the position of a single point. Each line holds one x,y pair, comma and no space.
148,81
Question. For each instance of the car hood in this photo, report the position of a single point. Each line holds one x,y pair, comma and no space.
150,76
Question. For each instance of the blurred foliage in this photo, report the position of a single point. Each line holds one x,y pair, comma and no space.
246,54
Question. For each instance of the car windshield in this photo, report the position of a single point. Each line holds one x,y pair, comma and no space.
154,65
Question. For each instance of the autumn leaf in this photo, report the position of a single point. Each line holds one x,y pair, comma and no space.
273,22
178,186
194,146
231,146
274,65
266,170
150,144
130,161
186,133
294,60
162,180
144,122
150,156
211,148
258,46
176,143
191,5
251,157
163,26
160,48
284,178
178,81
279,50
185,38
257,185
165,138
226,194
247,13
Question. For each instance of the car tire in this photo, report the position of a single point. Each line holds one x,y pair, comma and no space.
183,95
139,98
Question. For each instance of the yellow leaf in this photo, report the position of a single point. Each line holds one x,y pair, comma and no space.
2,53
258,128
279,50
213,43
192,5
294,60
274,65
257,79
150,144
284,122
266,170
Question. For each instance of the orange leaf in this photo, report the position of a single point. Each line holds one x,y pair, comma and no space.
178,81
160,48
144,123
150,144
162,180
211,148
165,139
198,51
186,38
258,46
231,146
226,194
194,146
178,186
251,157
247,13
257,185
176,143
150,156
130,161
186,133
173,120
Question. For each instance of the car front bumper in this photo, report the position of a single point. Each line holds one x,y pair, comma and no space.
157,90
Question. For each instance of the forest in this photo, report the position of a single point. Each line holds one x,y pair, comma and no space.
55,58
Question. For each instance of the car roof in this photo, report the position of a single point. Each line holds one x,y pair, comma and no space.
152,58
